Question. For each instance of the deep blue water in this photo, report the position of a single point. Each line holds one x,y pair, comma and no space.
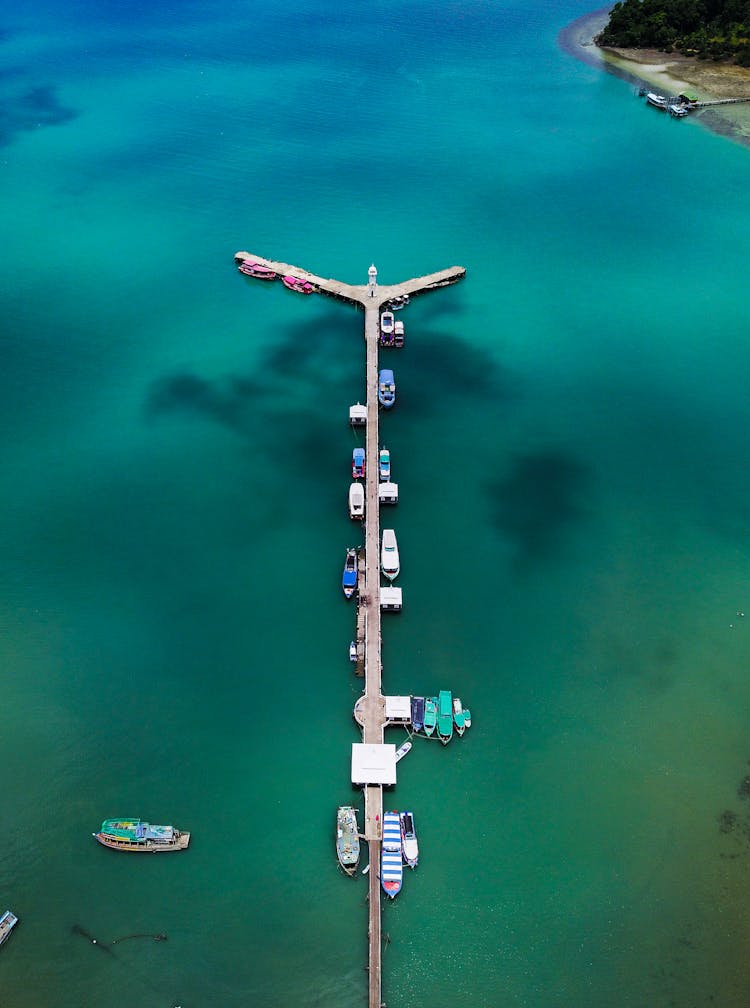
570,442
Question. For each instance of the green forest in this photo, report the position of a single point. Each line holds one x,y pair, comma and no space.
708,29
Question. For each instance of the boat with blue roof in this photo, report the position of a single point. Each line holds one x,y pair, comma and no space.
349,577
137,835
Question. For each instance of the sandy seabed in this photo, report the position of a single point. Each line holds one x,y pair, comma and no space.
669,74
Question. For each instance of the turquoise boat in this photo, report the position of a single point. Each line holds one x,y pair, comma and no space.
445,716
459,715
430,715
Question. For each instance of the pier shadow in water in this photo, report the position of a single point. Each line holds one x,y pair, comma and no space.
534,503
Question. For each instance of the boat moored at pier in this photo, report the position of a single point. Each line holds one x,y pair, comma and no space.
389,561
136,835
298,284
257,270
459,717
467,718
347,838
353,651
391,865
417,713
445,716
358,463
409,844
430,715
349,577
356,501
402,750
386,388
384,465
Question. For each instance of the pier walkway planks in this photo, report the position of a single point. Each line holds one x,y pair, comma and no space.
370,708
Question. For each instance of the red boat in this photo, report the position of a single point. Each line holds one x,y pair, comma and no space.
298,284
255,269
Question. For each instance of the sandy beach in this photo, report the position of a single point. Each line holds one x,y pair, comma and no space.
669,74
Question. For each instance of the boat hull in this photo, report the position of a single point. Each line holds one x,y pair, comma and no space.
180,842
347,839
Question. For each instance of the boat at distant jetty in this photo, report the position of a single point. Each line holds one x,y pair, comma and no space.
391,866
409,845
347,838
386,389
356,501
430,715
389,561
459,717
349,577
7,922
136,835
417,713
445,716
256,269
657,100
298,284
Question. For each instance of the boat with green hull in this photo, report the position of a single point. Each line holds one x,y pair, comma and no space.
445,716
137,835
430,715
347,838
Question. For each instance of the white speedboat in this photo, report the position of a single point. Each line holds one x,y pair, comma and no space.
389,562
409,845
356,501
403,750
353,651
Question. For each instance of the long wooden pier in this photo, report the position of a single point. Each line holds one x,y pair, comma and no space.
370,708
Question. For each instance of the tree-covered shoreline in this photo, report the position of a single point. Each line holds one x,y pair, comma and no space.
708,29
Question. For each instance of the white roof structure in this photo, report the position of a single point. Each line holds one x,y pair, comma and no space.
358,414
388,492
398,708
373,764
390,598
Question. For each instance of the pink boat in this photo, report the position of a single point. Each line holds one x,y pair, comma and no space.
298,284
255,269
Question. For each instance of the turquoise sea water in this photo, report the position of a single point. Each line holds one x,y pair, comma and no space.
571,443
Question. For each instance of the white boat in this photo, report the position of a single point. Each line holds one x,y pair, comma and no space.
353,651
384,465
467,718
389,562
459,715
657,100
386,323
403,750
7,922
356,501
409,845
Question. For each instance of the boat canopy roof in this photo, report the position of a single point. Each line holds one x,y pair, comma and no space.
373,764
136,829
397,707
445,703
386,377
358,454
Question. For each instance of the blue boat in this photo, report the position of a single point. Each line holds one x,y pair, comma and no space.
386,388
349,578
391,865
358,463
417,713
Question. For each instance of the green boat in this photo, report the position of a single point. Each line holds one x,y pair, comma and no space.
445,716
430,715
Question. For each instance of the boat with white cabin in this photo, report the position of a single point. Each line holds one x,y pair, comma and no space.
7,922
347,838
389,561
384,465
356,501
353,651
409,844
403,750
459,717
